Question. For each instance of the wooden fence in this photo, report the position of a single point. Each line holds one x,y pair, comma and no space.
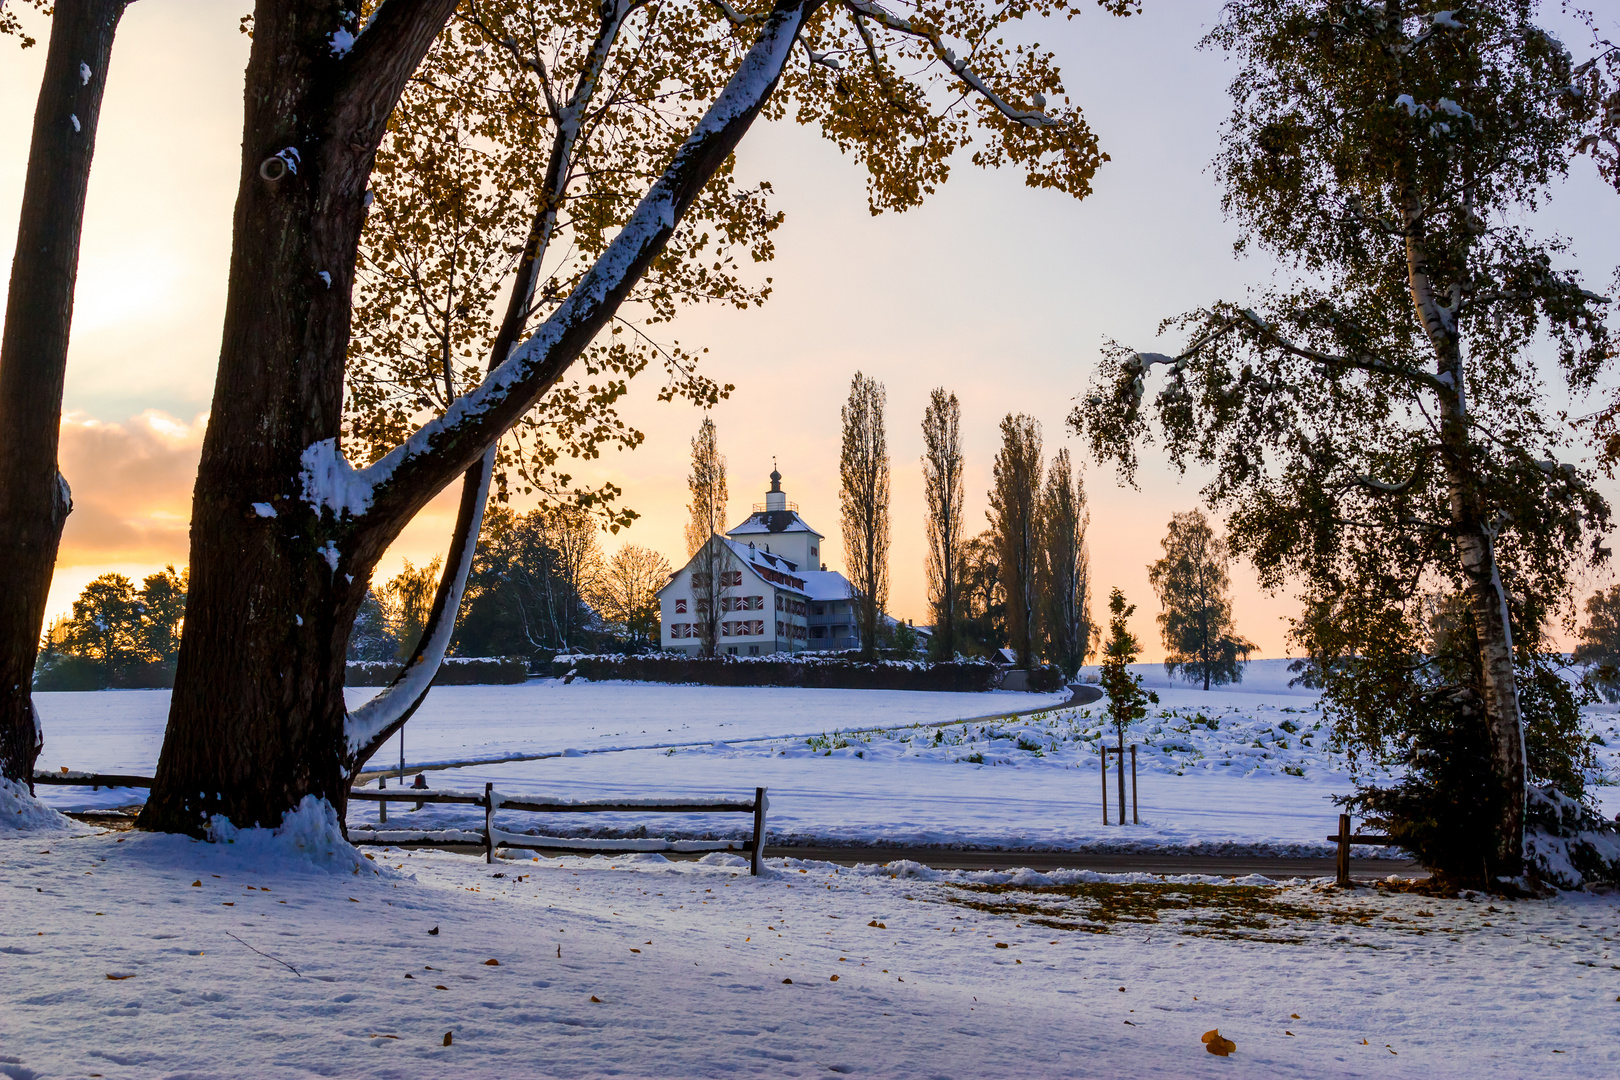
491,837
1344,839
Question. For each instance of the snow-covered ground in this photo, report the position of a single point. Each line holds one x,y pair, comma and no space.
1242,769
139,956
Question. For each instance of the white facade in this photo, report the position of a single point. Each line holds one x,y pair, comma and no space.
768,604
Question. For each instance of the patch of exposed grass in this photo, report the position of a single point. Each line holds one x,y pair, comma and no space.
1233,912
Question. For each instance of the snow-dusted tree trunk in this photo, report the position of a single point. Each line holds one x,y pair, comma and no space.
1475,540
285,533
34,498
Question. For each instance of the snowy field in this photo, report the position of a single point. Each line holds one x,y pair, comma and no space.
144,956
1240,770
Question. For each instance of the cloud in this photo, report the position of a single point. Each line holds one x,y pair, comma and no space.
131,488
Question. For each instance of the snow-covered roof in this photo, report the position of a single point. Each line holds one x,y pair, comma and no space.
772,521
826,585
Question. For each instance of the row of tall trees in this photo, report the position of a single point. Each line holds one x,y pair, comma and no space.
1024,582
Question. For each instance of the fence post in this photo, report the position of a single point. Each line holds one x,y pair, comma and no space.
382,807
757,857
489,823
1105,783
1343,876
1135,818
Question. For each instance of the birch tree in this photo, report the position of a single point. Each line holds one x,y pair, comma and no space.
1381,429
35,499
942,489
285,529
1194,584
863,497
1063,567
1015,520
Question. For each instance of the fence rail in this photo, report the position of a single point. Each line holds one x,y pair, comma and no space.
1345,838
491,837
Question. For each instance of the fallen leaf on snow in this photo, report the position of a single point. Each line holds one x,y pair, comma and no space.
1217,1044
787,982
441,987
833,979
635,950
434,931
492,962
877,924
447,1038
197,884
596,999
121,978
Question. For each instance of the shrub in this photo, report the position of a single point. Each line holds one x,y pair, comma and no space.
806,671
455,671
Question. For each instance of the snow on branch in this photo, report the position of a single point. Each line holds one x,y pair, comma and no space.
1028,117
410,473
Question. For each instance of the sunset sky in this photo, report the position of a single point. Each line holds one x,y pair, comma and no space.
998,292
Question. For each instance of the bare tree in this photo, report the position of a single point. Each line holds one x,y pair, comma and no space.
1063,567
627,590
863,470
707,482
34,497
942,486
283,525
1014,513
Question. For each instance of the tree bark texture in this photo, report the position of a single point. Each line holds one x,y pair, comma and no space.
281,557
34,498
257,717
1475,540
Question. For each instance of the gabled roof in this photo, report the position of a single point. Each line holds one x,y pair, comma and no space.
782,573
772,521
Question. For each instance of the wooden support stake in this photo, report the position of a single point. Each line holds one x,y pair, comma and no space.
1343,867
1135,818
382,807
489,823
757,856
1105,784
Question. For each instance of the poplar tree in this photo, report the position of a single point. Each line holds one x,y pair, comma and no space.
1194,584
1381,428
710,555
942,490
1063,567
863,497
1014,520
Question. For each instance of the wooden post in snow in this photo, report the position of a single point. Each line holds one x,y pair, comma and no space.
1343,868
757,856
1135,818
489,823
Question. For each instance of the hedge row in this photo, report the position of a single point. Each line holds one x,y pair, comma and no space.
455,671
965,676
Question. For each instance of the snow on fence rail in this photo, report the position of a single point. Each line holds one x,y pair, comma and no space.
492,837
491,800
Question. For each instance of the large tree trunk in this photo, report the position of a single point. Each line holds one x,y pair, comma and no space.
34,499
285,534
257,717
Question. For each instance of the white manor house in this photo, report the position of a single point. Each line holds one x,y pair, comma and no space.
776,595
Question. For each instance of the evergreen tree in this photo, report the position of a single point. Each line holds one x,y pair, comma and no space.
1382,426
863,470
1194,586
106,626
